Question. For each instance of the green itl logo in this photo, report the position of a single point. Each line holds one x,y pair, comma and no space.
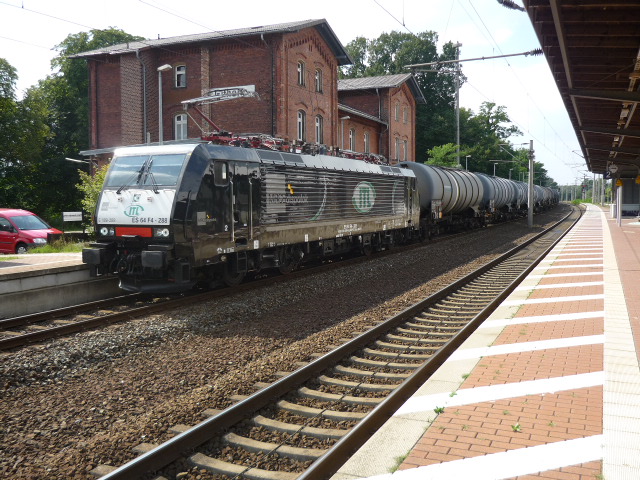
364,196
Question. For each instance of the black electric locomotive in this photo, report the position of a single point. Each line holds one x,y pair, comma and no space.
172,216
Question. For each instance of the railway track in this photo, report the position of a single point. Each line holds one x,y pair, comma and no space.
308,423
38,327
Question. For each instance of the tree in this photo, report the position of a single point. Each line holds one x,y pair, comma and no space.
69,88
50,124
91,186
389,54
444,155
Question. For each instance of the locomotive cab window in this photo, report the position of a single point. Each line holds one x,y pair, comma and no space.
160,170
221,174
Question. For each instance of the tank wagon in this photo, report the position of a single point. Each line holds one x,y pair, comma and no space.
456,199
170,217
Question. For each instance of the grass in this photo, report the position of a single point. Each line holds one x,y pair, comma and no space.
60,246
4,258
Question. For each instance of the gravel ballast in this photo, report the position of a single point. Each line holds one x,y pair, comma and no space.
74,403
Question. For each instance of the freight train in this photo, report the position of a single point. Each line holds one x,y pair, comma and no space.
175,216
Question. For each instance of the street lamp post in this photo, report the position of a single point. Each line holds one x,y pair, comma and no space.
161,69
466,162
530,196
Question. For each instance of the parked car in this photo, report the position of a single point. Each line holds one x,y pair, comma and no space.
21,230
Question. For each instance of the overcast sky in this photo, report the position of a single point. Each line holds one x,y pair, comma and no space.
31,29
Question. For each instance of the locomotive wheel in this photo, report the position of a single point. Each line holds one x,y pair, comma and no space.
290,260
231,279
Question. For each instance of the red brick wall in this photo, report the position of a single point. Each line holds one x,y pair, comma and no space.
400,129
117,86
364,100
131,105
309,47
237,63
107,103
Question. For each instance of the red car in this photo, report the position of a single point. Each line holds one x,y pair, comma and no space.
21,230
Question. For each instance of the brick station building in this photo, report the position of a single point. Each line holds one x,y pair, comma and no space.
292,68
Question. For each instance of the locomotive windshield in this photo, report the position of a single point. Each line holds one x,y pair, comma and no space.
145,170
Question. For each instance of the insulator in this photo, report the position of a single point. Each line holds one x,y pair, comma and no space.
511,5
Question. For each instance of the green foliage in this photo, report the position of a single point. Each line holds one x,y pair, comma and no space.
389,54
90,186
48,125
483,135
444,155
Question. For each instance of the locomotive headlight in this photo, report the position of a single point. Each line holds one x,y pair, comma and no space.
104,231
161,232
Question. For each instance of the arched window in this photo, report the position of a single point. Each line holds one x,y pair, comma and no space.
406,151
180,126
301,73
367,143
397,111
352,139
319,129
302,125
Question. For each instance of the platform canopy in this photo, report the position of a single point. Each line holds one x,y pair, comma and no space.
593,50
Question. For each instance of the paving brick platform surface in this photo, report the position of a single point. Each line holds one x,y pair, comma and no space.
548,387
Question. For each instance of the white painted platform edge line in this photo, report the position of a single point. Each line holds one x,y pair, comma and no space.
591,265
558,275
470,353
560,317
560,285
509,464
563,260
571,298
492,393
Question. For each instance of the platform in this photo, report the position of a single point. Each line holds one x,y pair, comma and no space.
36,282
547,387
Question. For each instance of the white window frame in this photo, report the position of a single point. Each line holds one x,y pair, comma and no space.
352,139
318,80
180,76
397,148
180,126
405,115
406,150
302,125
319,129
301,73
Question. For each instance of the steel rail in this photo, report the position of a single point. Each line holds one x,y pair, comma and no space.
164,454
330,462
